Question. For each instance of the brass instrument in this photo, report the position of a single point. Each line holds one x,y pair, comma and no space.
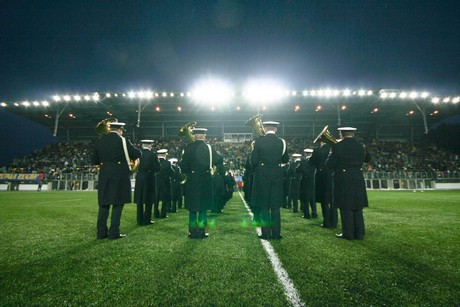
103,128
186,131
326,137
255,123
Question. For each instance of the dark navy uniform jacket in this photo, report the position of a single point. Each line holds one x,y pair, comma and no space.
269,153
114,185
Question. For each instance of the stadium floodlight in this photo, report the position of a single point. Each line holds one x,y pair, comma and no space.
361,93
77,97
304,93
131,95
16,104
212,91
384,95
347,93
264,90
403,95
456,100
67,98
57,98
108,95
446,100
435,100
424,95
413,95
26,104
95,97
87,98
3,104
36,103
45,103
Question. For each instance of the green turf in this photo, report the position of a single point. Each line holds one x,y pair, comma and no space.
50,257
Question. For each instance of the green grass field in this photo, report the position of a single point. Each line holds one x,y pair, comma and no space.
50,257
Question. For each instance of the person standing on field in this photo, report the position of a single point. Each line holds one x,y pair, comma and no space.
349,188
144,190
269,153
113,153
197,164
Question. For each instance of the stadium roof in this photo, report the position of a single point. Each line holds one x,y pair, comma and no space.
378,113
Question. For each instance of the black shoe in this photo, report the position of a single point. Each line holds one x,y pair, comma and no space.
263,237
190,236
149,223
102,237
278,237
341,236
205,235
120,236
306,217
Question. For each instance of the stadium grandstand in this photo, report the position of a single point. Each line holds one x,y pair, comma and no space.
394,124
379,114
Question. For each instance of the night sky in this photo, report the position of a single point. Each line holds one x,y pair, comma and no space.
49,46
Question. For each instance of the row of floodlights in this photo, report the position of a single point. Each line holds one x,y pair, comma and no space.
200,95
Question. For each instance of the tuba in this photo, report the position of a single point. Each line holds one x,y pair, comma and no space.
103,128
325,137
186,131
255,123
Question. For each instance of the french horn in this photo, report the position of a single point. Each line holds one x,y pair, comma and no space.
255,123
103,128
325,137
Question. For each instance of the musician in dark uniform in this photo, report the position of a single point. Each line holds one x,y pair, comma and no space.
323,185
197,163
218,180
144,190
113,152
248,182
294,183
349,188
269,153
176,189
164,185
307,186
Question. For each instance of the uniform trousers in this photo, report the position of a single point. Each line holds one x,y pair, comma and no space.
352,224
330,215
102,217
144,216
271,222
197,222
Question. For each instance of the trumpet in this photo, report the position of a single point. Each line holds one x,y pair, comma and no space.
255,123
326,137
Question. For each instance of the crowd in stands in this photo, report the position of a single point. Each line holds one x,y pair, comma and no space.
388,156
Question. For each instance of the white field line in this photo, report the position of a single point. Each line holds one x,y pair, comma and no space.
289,289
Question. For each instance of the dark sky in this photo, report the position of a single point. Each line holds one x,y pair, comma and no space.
49,46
